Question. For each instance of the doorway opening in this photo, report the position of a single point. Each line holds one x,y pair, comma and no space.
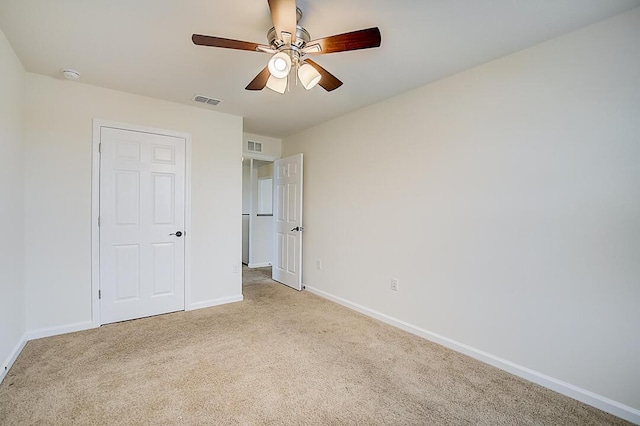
257,213
272,217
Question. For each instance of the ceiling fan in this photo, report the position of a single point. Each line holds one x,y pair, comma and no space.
290,45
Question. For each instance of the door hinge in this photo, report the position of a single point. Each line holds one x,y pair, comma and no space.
100,148
99,294
98,221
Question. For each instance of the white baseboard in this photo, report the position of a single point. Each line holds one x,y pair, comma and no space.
38,334
259,265
598,401
6,366
54,331
214,302
70,328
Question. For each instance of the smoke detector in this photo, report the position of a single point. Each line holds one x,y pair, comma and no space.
71,74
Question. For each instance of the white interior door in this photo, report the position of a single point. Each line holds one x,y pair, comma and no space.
142,217
287,213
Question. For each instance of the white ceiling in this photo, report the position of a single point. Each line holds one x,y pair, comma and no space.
144,47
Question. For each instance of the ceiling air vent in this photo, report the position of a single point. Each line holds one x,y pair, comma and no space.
254,146
206,100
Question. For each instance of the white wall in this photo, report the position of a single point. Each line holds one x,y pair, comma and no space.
12,294
505,199
246,186
58,135
261,246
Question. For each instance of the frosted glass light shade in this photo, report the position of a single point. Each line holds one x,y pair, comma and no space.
277,84
280,65
308,76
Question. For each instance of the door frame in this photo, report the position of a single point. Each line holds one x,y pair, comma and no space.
98,124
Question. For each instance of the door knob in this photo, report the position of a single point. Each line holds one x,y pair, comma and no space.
177,234
298,228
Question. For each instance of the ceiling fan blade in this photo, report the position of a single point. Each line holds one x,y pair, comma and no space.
260,81
328,81
204,40
283,15
355,40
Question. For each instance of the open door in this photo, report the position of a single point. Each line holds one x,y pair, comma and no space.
287,214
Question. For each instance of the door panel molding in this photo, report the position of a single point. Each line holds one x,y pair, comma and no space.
98,125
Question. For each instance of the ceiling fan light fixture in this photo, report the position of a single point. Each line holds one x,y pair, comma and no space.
277,84
308,76
280,65
288,45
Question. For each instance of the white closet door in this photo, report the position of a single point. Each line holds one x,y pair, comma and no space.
142,217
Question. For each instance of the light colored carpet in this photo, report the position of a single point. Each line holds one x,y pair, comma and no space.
255,275
281,357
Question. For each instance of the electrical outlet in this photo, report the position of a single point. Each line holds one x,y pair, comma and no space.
394,284
318,264
236,268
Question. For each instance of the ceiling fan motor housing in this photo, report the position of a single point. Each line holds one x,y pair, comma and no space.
292,49
302,38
